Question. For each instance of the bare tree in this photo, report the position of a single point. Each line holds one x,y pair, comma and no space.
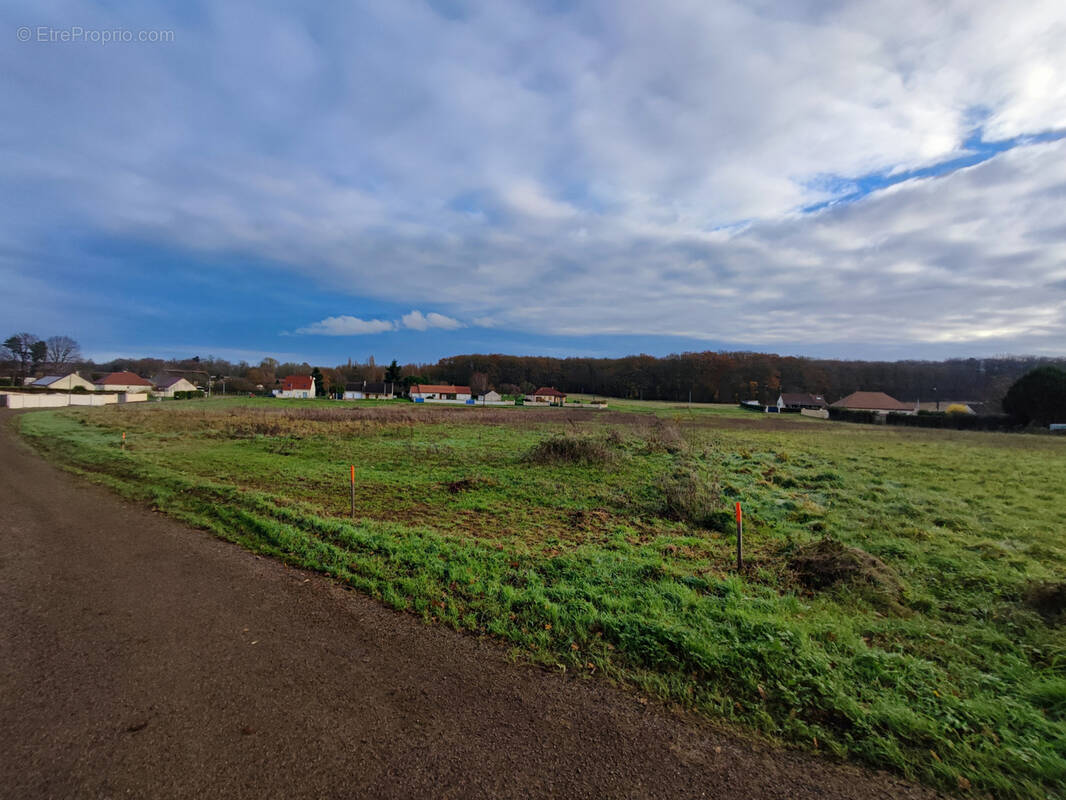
479,383
62,350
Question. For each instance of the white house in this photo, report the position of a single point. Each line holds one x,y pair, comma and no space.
122,382
297,386
63,383
166,387
363,390
440,393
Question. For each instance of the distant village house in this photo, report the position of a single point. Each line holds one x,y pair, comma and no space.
364,390
299,387
63,383
123,382
440,393
548,395
797,401
878,402
166,387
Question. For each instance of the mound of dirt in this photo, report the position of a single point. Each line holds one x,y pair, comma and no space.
829,563
468,484
1048,599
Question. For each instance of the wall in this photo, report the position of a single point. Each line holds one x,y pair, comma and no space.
36,400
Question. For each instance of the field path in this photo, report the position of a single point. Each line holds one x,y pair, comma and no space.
140,658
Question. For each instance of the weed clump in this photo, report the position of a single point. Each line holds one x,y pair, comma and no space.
690,496
1048,599
829,563
665,437
570,450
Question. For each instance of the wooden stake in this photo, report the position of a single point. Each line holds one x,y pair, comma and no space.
123,440
740,539
353,490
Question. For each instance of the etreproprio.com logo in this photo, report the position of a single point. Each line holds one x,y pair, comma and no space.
76,34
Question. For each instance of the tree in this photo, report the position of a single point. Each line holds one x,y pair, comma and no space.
392,372
27,351
320,387
62,350
1038,397
479,383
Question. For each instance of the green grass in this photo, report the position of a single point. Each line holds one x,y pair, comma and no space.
622,567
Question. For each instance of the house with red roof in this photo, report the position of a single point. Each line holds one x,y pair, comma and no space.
547,395
873,401
299,387
122,382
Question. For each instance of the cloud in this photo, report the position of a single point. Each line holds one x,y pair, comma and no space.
608,167
418,321
355,326
347,326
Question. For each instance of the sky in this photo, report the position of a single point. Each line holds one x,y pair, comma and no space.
415,179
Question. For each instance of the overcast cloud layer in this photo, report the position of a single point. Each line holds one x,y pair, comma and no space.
597,168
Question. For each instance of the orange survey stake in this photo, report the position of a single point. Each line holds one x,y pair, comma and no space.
738,511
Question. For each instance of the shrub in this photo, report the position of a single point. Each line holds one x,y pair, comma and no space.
688,495
570,450
1038,397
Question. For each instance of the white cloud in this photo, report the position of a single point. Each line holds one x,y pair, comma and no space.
614,168
347,326
418,321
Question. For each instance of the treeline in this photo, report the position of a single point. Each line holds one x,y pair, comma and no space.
722,377
715,377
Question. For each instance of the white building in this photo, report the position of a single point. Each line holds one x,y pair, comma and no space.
63,383
166,387
441,393
300,387
364,390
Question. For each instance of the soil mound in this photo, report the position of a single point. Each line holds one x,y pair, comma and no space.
830,563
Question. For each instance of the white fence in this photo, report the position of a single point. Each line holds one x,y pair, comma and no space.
34,400
820,413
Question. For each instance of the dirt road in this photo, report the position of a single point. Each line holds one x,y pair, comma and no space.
140,658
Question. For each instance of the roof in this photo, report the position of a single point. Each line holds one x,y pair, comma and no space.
438,388
169,381
548,391
802,399
378,387
47,380
122,379
874,401
297,383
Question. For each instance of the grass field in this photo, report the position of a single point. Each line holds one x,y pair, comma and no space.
600,542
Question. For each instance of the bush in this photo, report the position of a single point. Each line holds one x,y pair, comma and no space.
1038,397
849,415
688,495
570,450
